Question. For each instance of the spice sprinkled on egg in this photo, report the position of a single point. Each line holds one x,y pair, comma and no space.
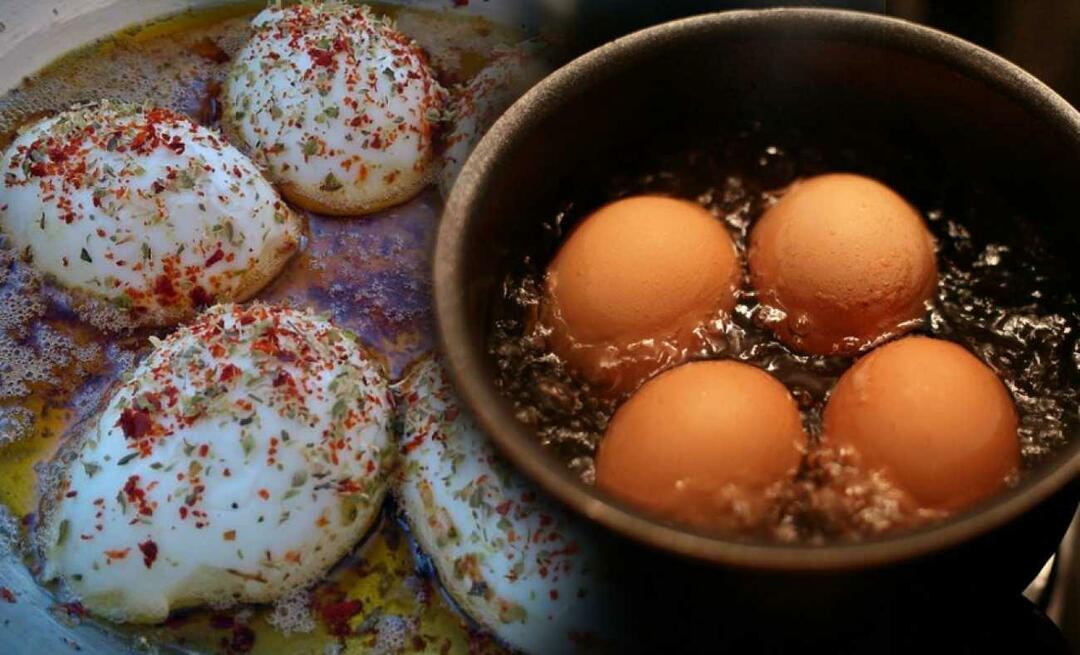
338,105
243,457
141,212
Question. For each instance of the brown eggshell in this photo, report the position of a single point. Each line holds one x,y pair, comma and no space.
700,444
846,259
933,417
632,283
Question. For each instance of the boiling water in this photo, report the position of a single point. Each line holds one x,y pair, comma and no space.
1003,295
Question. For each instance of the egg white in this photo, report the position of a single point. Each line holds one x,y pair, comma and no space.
513,560
475,105
140,210
338,105
239,460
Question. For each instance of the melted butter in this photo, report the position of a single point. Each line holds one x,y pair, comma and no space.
18,481
370,273
373,601
185,22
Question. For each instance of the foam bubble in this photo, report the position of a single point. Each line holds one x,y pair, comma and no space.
15,422
11,542
160,72
292,613
392,634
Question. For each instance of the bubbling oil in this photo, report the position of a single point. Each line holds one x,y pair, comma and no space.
1002,294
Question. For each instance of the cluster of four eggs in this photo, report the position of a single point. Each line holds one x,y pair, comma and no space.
253,446
843,264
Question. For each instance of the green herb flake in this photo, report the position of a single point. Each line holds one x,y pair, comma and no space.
62,533
330,183
248,443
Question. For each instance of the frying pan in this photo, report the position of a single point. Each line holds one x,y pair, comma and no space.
33,33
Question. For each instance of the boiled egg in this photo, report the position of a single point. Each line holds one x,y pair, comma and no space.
143,215
844,262
931,416
513,560
702,445
238,461
338,106
633,288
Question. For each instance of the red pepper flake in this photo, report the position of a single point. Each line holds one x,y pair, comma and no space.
218,255
117,554
229,371
176,145
336,616
150,552
229,535
163,286
554,594
264,494
200,298
503,507
134,422
414,443
6,594
321,57
137,496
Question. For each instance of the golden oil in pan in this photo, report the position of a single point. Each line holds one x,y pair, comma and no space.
371,274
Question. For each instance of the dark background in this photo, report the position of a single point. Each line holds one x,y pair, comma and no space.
1042,36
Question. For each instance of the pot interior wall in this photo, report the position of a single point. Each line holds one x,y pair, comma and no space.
875,88
824,84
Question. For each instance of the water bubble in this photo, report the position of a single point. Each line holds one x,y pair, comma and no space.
800,324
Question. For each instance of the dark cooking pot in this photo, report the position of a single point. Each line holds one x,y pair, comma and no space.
829,72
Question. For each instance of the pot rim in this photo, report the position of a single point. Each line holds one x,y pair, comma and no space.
471,377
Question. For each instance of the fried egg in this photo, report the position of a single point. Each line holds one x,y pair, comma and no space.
239,460
140,210
513,560
476,105
338,105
